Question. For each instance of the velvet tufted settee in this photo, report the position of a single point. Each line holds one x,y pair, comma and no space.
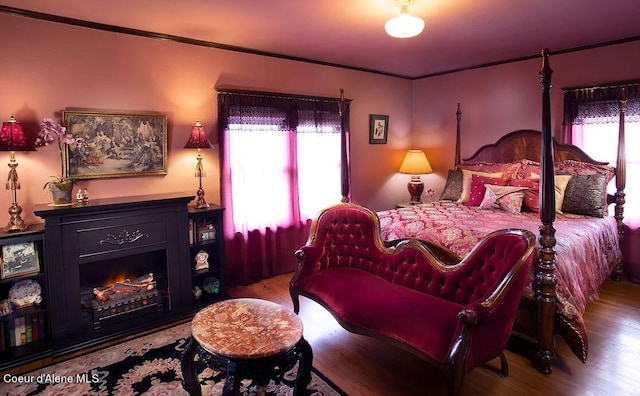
419,296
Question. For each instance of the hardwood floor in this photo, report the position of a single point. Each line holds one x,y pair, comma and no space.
364,366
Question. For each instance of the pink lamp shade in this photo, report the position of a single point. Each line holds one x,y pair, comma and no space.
198,138
415,163
13,137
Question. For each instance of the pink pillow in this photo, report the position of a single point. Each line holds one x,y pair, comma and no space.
532,196
478,187
528,169
508,169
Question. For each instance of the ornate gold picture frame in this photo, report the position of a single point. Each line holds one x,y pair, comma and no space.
116,144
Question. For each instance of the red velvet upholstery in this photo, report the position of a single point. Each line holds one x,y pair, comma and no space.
458,315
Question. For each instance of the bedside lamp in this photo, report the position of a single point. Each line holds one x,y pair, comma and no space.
198,140
12,139
415,163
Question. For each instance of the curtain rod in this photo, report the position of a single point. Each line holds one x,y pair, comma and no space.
616,84
278,95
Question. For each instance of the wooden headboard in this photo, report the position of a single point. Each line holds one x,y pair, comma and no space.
526,144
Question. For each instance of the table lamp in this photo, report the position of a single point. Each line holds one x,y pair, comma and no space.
198,140
12,139
415,163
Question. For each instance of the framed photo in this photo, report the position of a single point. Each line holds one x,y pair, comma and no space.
378,128
116,144
5,307
19,259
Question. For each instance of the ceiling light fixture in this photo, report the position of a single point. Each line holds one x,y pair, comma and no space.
404,25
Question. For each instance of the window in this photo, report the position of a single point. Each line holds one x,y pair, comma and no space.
280,173
281,164
600,141
591,121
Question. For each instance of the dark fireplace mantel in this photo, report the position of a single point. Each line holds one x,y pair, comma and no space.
113,229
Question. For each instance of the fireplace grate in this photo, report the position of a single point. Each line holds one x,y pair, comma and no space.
121,306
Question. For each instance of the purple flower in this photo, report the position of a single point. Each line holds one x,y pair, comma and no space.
52,132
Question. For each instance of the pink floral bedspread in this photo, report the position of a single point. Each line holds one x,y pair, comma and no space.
587,248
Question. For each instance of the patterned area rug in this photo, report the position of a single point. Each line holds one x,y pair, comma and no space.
148,366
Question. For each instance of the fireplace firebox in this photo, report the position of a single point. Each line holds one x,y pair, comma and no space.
115,267
124,288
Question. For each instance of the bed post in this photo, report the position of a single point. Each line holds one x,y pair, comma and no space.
344,151
621,177
545,278
458,118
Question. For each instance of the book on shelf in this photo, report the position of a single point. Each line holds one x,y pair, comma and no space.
22,330
10,334
35,327
42,326
20,336
28,329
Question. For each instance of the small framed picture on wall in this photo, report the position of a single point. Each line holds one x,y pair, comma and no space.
378,128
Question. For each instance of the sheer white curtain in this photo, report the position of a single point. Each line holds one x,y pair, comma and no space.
259,162
319,167
600,141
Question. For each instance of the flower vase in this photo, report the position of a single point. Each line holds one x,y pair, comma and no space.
61,193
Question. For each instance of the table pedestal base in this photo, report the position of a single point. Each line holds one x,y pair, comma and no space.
260,369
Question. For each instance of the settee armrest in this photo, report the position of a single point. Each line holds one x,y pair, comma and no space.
308,260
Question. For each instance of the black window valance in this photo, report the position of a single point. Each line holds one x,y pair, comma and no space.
600,104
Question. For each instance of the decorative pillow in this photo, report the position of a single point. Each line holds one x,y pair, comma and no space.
532,195
478,187
507,198
508,169
453,187
571,167
584,193
560,185
528,168
466,183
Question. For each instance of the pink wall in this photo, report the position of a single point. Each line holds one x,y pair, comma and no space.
49,67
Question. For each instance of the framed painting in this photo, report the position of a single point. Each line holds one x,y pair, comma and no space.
116,144
378,128
19,259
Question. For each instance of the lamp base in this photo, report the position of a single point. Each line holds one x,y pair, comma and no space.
416,188
200,202
16,223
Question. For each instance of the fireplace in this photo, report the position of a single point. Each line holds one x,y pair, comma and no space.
122,289
126,244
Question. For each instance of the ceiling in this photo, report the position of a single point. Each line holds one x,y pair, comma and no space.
459,34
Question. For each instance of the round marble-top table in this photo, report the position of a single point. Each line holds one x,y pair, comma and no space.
248,338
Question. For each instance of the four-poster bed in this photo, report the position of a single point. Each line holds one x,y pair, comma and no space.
569,266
